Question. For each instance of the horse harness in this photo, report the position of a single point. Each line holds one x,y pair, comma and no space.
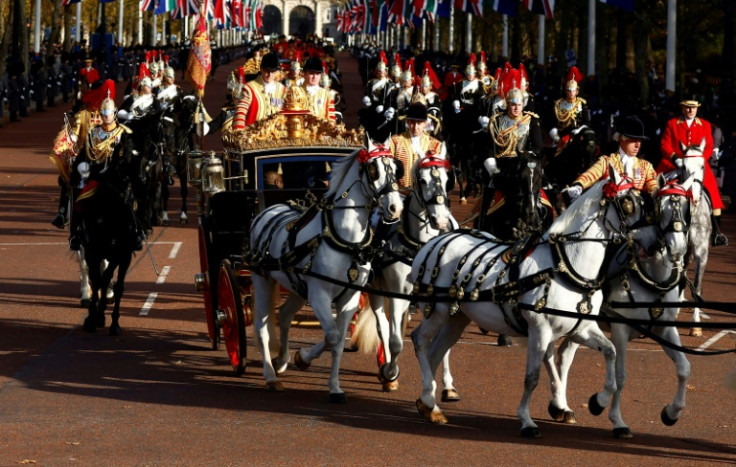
512,255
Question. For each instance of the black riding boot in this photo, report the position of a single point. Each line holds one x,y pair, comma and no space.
60,219
75,233
717,237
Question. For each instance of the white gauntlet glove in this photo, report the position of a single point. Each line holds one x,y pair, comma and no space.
553,134
379,109
456,106
490,165
574,192
366,101
484,121
389,113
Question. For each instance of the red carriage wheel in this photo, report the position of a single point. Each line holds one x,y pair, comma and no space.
233,324
209,305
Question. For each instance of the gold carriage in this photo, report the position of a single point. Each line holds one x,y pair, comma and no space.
231,191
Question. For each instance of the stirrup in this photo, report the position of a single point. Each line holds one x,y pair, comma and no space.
719,240
59,221
75,243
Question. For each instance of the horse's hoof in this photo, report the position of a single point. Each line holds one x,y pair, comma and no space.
115,330
483,331
450,395
301,364
100,322
390,386
183,219
274,386
504,341
431,415
531,432
89,325
696,332
279,369
338,398
569,418
666,418
463,200
622,433
555,412
593,405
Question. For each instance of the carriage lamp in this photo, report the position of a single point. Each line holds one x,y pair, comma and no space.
213,180
194,168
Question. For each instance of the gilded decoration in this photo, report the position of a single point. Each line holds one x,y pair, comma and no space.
294,126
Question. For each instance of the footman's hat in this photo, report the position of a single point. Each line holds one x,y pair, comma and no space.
270,62
631,127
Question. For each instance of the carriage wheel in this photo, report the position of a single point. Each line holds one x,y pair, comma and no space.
233,325
209,305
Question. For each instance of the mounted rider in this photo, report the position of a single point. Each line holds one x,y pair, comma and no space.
512,132
571,111
630,134
261,97
681,133
429,83
414,144
104,144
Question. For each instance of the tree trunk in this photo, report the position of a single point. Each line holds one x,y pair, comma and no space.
68,20
20,46
7,39
642,28
55,27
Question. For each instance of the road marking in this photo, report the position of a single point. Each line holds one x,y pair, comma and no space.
715,338
174,250
149,304
162,275
67,244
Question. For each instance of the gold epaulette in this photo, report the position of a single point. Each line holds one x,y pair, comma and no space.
125,128
526,112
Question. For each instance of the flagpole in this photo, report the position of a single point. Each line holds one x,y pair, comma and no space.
540,39
468,33
140,26
37,28
505,38
591,37
78,32
671,42
451,32
120,23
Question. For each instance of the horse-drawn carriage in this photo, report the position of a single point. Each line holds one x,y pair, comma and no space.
233,189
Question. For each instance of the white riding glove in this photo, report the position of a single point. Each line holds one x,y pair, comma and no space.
678,162
456,106
553,134
484,121
366,101
379,109
490,165
574,192
389,113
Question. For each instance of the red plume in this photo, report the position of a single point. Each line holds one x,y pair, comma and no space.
482,56
574,73
471,60
428,71
397,59
325,70
382,57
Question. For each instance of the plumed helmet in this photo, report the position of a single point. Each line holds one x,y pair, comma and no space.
324,80
482,63
169,72
573,78
515,96
153,67
296,64
145,82
470,69
524,83
396,67
382,65
108,104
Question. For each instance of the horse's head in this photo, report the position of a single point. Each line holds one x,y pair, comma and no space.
528,200
431,182
622,205
693,166
380,173
672,216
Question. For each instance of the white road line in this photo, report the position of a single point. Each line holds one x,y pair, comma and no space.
162,275
67,243
715,338
149,304
174,250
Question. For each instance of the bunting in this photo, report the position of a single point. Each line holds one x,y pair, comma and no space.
505,7
540,7
627,5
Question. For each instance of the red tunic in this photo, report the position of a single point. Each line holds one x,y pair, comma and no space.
677,132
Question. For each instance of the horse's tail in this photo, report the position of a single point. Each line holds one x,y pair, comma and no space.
365,334
731,381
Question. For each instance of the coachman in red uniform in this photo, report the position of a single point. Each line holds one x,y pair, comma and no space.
689,130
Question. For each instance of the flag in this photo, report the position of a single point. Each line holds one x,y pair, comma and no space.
237,13
162,6
200,62
505,7
106,1
396,12
627,5
470,6
148,5
443,8
69,2
541,7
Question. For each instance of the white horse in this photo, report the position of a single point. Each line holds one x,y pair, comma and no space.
426,215
701,227
644,278
565,271
289,247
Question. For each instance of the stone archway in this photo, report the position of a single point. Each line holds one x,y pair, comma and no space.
301,21
272,20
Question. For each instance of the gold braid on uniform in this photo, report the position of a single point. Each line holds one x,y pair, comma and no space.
103,149
567,117
507,138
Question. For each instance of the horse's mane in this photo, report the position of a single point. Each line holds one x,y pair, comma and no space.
587,203
339,170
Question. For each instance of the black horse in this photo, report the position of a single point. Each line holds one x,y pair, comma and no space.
519,207
179,137
109,233
577,156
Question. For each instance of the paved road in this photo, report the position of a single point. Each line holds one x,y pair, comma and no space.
159,395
